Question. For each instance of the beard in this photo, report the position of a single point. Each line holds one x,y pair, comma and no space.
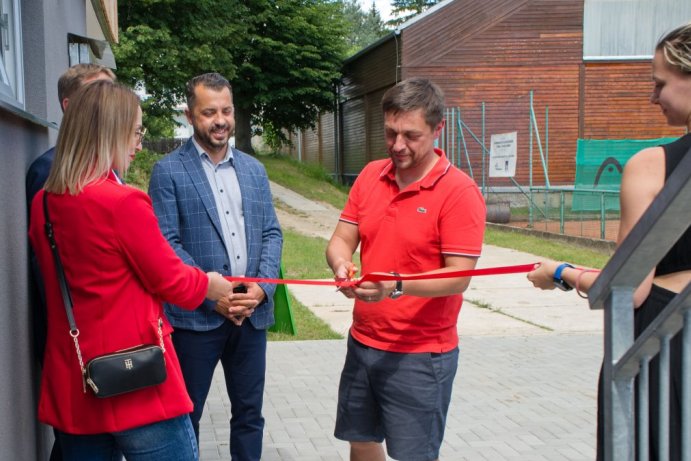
207,138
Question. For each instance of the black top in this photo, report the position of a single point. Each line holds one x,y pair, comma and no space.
679,256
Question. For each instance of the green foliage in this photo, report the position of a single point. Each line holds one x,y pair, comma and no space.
165,42
282,56
140,169
407,9
289,63
364,27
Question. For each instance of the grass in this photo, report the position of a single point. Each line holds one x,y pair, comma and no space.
308,180
308,325
552,249
303,258
300,256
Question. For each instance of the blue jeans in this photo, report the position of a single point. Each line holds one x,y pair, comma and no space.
170,440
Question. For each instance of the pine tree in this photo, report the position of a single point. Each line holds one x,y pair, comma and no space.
403,10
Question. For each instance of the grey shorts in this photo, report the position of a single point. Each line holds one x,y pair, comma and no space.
400,398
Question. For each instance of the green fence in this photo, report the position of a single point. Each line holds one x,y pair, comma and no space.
599,165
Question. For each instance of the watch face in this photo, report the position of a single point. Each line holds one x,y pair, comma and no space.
395,294
562,285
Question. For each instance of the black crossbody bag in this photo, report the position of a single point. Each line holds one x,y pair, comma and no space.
119,372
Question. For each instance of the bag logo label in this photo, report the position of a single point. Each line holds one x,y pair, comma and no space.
128,364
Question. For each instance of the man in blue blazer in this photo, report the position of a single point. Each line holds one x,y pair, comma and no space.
215,208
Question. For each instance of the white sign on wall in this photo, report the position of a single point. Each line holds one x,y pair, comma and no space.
502,155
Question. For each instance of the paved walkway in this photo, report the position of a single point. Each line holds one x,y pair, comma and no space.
525,388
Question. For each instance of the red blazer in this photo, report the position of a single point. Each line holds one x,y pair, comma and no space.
120,269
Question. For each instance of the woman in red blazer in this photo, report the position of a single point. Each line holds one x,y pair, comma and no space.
119,269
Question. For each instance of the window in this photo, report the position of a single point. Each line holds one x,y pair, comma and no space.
629,29
89,50
11,72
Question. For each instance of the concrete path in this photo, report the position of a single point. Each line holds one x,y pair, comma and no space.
525,388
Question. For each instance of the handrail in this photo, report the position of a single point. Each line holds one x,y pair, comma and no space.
667,323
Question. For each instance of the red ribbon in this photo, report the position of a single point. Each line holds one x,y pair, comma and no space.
379,277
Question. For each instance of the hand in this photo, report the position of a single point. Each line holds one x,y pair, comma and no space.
236,307
218,286
374,291
235,314
542,276
346,271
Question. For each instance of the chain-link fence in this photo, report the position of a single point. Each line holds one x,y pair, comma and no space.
556,210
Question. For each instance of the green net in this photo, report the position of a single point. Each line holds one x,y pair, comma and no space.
599,165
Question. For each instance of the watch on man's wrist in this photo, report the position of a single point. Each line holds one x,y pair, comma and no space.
398,290
559,282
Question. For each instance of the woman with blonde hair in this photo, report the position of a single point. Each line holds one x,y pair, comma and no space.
643,178
119,269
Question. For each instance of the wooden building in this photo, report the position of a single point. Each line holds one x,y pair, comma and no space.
499,54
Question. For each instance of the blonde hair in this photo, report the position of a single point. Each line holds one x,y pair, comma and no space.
95,136
676,48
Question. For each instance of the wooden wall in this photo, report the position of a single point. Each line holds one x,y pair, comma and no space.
365,79
616,103
316,145
497,52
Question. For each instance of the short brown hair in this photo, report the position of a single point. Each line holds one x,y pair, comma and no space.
74,77
212,80
415,93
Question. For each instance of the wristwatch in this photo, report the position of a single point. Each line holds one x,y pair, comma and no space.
558,281
398,291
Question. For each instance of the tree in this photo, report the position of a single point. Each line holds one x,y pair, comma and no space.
287,66
165,42
365,27
281,56
407,9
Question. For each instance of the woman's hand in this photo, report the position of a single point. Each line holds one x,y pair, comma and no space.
218,286
542,276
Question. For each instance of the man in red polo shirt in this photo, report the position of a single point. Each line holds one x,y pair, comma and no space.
413,213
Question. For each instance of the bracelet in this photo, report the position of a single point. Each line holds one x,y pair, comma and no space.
578,281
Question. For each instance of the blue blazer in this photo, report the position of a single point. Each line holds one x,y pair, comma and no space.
187,215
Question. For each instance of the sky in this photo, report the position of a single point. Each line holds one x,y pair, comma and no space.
383,6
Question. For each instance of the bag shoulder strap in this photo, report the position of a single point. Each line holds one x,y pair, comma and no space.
64,287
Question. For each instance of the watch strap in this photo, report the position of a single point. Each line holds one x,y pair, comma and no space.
558,280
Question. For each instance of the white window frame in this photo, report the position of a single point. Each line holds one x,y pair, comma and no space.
11,62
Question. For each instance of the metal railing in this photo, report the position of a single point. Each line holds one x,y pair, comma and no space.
627,357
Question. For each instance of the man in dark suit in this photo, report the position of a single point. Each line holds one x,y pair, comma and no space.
68,84
215,208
